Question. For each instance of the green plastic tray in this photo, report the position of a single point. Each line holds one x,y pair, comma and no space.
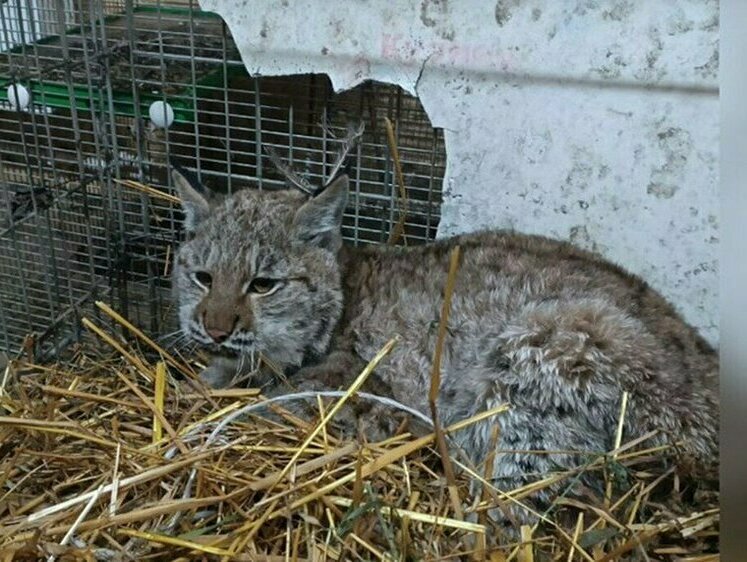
57,94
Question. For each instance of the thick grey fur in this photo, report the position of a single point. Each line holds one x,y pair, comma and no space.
557,332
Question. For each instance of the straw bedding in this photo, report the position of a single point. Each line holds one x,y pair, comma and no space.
119,454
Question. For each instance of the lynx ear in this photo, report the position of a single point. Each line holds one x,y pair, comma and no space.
319,220
193,194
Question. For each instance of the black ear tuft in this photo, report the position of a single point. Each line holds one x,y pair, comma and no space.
190,176
193,195
319,220
341,177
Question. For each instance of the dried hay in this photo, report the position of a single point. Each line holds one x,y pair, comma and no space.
124,455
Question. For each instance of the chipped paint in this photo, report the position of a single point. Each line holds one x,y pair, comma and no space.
584,120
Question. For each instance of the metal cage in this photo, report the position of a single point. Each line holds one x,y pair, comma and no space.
71,232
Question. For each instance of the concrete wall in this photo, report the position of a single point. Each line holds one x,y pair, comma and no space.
594,121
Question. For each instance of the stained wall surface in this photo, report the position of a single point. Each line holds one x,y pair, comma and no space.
593,121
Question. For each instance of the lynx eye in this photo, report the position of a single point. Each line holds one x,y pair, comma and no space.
263,285
202,278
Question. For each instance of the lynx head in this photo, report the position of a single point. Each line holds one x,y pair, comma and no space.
259,272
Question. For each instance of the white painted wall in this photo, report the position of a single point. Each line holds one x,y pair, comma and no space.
595,121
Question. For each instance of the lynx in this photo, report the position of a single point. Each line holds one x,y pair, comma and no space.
555,332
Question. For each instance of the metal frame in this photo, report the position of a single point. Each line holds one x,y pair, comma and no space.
70,233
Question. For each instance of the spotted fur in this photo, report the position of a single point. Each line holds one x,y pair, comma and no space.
556,332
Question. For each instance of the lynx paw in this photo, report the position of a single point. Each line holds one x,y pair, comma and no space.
216,376
358,418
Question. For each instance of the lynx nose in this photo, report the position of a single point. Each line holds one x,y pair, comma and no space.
219,327
217,335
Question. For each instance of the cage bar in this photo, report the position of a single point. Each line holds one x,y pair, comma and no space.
70,233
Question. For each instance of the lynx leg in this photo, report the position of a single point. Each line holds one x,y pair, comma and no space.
358,416
218,374
224,371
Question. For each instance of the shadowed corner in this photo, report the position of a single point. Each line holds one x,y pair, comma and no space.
733,282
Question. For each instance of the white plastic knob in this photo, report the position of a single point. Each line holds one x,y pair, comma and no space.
18,96
161,114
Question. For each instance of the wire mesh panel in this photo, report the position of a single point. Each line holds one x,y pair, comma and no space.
83,76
